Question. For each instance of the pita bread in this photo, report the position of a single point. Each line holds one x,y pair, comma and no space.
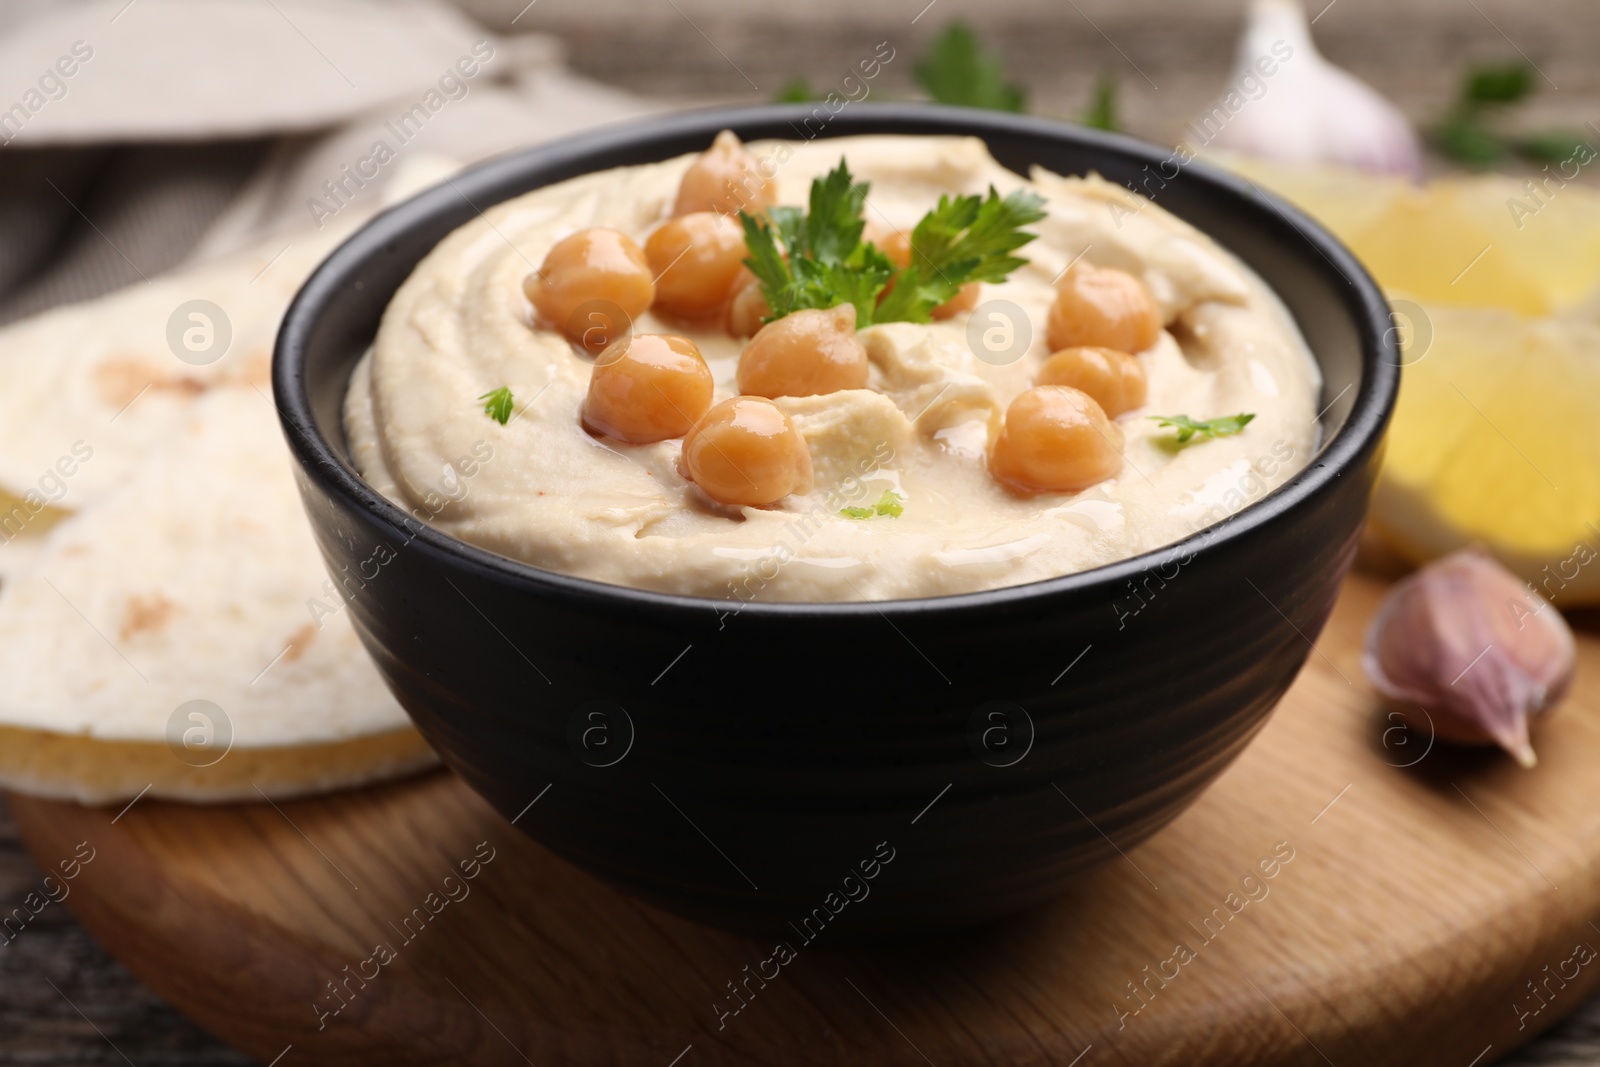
110,377
19,553
63,767
196,580
102,377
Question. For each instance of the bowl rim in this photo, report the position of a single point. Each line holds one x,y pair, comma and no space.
322,463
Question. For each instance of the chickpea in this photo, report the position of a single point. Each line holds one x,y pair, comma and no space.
725,179
1104,307
897,246
647,388
747,310
746,451
597,266
806,353
696,259
1055,440
1114,379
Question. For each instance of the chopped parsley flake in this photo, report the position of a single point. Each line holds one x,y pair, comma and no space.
888,505
1224,426
498,406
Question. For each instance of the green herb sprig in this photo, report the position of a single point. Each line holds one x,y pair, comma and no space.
964,239
956,70
1224,426
1470,131
1101,113
797,90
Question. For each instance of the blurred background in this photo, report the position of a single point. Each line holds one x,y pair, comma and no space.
138,136
184,103
1414,51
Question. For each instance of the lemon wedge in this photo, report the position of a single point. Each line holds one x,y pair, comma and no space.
1494,439
1493,443
1527,245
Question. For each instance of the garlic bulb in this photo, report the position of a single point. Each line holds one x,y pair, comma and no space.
1473,647
1285,102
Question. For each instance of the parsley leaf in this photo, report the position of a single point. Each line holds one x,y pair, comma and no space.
1472,131
856,281
1224,426
888,505
832,228
827,264
845,272
1102,112
1505,84
1465,139
955,70
791,224
795,91
766,262
964,239
1552,147
498,407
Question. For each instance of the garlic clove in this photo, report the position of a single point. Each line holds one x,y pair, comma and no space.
1306,110
1475,648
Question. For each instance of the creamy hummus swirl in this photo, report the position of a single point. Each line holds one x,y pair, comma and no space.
543,490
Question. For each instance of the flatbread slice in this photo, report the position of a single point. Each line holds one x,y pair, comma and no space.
181,636
91,388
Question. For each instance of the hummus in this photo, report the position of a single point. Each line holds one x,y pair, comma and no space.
543,490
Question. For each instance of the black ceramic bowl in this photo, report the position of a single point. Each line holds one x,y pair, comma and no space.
864,768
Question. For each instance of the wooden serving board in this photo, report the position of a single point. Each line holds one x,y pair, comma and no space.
1438,913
